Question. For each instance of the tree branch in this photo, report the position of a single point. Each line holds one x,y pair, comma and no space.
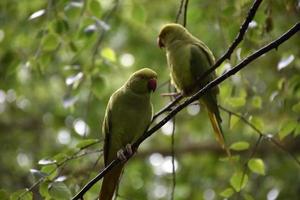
263,136
184,8
200,93
167,107
185,13
237,40
179,11
225,56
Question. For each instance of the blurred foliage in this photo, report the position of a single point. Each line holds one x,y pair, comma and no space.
61,60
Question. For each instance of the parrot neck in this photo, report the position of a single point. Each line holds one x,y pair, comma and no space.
174,45
135,92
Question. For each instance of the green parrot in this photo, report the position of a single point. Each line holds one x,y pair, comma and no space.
128,115
189,58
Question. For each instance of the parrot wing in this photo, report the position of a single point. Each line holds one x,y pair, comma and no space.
200,61
111,179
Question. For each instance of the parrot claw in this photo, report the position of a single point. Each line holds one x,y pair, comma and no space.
123,154
129,149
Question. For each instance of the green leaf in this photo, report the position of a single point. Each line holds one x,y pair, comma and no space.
257,122
50,42
4,195
95,8
297,130
50,170
84,143
60,26
43,189
236,101
37,14
228,192
98,86
287,128
296,107
109,54
139,13
233,121
238,181
225,90
239,146
23,194
38,174
234,158
256,102
46,162
256,165
58,190
281,83
60,157
248,197
73,10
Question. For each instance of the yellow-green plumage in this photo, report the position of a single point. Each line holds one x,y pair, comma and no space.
188,59
128,114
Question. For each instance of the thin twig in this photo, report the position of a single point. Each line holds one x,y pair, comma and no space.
182,10
237,40
173,149
75,155
87,108
84,6
263,135
173,159
167,107
276,143
245,168
200,93
185,13
102,33
44,32
179,11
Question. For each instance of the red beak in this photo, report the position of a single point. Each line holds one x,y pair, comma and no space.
160,43
152,84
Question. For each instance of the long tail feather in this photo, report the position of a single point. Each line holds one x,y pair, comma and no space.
218,132
109,184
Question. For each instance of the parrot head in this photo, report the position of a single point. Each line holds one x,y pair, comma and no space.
143,81
170,33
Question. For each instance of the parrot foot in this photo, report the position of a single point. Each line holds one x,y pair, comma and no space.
123,154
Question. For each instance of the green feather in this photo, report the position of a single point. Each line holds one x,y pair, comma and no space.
127,116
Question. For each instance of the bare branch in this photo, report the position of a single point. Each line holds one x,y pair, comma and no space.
263,136
179,11
184,9
200,93
173,148
167,107
173,159
60,165
237,40
185,13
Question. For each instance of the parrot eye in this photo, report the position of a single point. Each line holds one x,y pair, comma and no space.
164,33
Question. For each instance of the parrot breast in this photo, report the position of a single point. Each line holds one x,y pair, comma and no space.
178,57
